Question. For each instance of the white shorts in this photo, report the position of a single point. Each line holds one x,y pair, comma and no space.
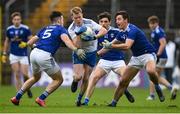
162,62
140,61
43,61
21,59
108,65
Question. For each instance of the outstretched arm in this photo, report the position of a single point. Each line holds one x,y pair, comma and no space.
68,42
80,52
123,46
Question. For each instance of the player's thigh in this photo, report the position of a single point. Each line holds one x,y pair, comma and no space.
120,70
98,73
119,67
87,70
57,76
78,69
129,73
15,67
151,66
24,69
37,76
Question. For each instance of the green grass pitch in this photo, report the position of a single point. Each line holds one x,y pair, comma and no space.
63,100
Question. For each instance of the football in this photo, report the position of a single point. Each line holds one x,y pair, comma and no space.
88,34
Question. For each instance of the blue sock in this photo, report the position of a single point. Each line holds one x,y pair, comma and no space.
44,95
114,102
79,97
169,87
157,87
19,94
86,100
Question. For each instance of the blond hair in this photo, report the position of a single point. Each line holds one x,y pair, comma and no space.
76,10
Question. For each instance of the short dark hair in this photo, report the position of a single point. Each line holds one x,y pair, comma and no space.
153,19
104,15
124,14
15,14
54,15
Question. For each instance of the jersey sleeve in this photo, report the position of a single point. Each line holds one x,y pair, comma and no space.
8,33
64,31
95,26
160,35
29,33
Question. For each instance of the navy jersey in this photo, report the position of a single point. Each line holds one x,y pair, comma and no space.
156,35
141,44
16,35
49,38
112,54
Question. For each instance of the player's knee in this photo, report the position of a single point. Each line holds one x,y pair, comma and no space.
85,79
95,78
59,79
17,76
151,71
77,77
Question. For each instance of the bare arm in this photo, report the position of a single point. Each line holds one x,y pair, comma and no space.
29,37
32,41
124,46
162,46
103,50
6,46
77,41
68,42
101,32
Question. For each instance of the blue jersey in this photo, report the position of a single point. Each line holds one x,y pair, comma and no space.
141,44
49,38
16,35
112,54
156,35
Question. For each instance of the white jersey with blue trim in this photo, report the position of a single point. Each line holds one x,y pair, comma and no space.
88,46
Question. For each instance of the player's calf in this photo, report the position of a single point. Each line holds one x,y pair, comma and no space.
74,86
129,96
159,93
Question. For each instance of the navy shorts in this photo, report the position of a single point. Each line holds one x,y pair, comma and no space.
90,59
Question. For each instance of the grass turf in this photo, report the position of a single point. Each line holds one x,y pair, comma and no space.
63,100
